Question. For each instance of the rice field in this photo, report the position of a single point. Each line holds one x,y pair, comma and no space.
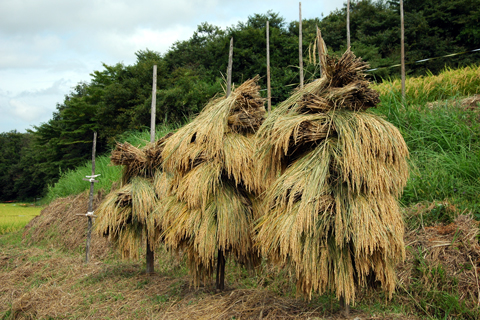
15,216
449,84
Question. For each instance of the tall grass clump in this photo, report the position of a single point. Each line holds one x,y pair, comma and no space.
443,138
450,83
71,182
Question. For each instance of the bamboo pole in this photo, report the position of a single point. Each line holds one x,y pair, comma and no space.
150,254
229,70
348,24
90,201
220,280
269,92
320,50
402,49
300,49
154,105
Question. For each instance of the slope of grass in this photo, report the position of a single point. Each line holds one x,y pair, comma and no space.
443,136
71,181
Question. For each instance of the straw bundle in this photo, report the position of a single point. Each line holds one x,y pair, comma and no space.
138,162
123,216
210,212
332,176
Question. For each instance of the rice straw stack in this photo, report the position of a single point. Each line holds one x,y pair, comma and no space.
211,160
332,174
125,216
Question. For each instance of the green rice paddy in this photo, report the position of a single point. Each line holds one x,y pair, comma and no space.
16,216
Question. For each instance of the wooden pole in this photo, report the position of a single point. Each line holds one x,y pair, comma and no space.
229,70
269,92
320,49
300,49
348,24
90,201
345,306
150,254
220,280
402,49
154,105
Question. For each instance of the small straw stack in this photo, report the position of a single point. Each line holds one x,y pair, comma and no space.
211,159
138,162
332,175
125,216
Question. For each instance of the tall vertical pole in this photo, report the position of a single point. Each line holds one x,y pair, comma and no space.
348,24
269,92
90,201
229,70
300,49
321,50
154,105
150,254
220,280
402,49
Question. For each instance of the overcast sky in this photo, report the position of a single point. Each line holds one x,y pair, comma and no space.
48,46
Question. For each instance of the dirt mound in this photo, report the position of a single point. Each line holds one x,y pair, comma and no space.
59,225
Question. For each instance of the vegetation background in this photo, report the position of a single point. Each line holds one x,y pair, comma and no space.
118,97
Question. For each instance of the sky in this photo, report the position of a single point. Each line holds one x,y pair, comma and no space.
49,46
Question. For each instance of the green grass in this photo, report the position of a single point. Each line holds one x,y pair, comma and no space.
14,217
71,181
443,138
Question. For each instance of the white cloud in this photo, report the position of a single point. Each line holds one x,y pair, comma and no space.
24,111
49,46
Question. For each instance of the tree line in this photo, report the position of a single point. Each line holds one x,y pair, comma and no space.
118,97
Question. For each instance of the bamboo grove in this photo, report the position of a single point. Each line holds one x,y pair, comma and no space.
313,186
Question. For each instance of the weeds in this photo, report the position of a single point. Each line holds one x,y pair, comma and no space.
444,145
71,183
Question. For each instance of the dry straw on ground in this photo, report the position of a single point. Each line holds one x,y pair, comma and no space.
210,209
332,175
61,222
451,249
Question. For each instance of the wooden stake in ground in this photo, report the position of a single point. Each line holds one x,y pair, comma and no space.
269,91
89,214
402,48
300,49
220,279
150,255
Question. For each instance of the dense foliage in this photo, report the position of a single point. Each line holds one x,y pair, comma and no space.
118,97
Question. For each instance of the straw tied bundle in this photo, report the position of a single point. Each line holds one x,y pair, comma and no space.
332,176
210,212
125,216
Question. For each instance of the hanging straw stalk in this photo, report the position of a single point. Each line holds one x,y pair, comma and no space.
210,212
332,174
